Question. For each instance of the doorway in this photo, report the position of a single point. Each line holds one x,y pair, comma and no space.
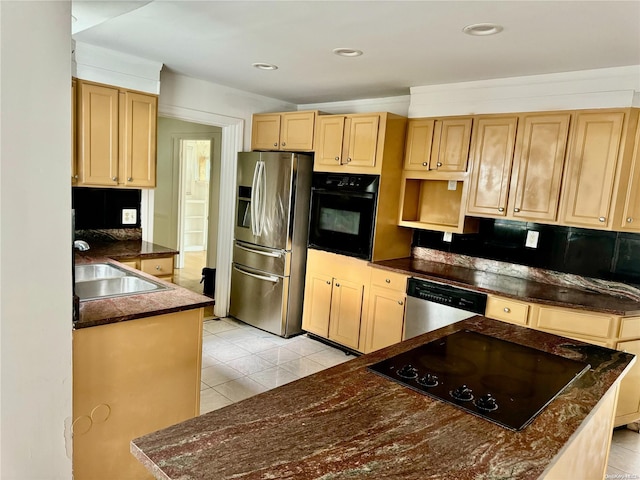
185,215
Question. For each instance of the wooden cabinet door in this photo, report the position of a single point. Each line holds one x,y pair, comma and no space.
265,132
631,213
74,152
346,310
138,137
629,395
538,166
451,145
591,168
418,144
114,400
386,318
362,140
97,135
296,131
492,156
317,303
329,135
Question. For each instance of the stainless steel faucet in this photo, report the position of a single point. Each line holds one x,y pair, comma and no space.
81,245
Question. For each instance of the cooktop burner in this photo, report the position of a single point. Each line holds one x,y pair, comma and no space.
504,382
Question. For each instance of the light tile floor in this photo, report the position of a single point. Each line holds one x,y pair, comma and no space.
239,361
624,457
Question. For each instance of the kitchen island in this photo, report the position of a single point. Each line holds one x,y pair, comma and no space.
347,422
136,368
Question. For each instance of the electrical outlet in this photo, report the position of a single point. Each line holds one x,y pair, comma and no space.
532,239
452,185
129,216
447,237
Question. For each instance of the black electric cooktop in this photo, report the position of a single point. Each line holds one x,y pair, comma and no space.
504,382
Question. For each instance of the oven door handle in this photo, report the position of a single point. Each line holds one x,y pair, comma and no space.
366,195
269,278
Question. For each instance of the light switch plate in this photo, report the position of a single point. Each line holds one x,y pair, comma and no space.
532,239
129,216
452,185
447,237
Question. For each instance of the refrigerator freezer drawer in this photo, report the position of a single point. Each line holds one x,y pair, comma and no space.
276,262
259,299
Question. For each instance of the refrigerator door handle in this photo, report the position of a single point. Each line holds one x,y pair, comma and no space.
269,278
262,180
254,199
259,252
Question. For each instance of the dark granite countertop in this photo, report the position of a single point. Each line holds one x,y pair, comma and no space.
512,287
347,422
129,307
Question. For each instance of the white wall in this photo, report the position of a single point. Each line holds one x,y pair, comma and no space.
601,88
35,239
398,105
191,93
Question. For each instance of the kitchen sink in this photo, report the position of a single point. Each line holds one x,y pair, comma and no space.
103,280
95,271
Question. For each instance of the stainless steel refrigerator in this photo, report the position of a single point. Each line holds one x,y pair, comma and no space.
270,248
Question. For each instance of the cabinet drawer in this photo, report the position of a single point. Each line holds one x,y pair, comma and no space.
507,310
157,266
387,279
630,328
575,324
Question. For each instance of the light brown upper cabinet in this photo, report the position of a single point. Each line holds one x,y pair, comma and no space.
592,164
287,131
438,145
116,136
348,142
538,166
628,217
491,158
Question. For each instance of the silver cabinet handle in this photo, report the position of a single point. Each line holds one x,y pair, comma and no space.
337,159
400,302
259,252
439,164
348,160
268,278
424,164
387,280
328,282
75,177
516,210
129,179
337,284
284,144
507,310
501,209
275,144
601,219
114,178
158,267
629,219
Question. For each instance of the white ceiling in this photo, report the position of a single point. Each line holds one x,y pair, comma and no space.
405,43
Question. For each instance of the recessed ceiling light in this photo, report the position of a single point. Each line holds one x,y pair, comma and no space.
264,66
347,52
482,29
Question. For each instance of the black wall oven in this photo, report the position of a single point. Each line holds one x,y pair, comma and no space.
343,212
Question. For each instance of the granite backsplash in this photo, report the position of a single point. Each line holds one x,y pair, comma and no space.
601,255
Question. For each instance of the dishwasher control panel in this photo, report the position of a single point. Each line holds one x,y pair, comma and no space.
443,294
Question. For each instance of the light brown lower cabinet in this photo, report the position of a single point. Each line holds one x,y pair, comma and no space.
335,297
161,267
612,331
129,379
